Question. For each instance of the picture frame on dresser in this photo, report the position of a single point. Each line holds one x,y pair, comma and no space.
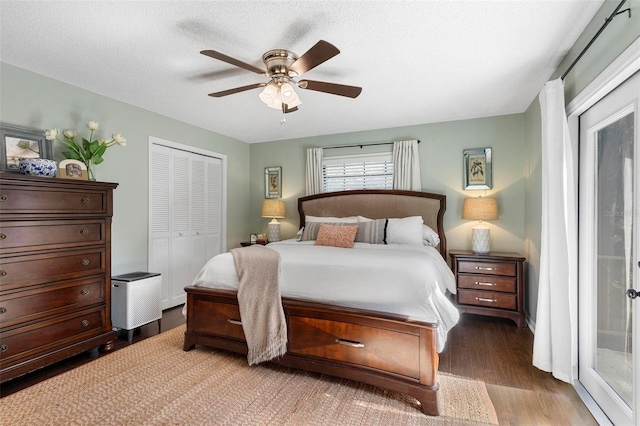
478,173
22,142
72,169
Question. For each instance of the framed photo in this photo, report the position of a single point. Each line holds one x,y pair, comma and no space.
253,238
21,142
273,182
72,169
477,169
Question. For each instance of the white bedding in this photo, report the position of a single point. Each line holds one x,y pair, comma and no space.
394,278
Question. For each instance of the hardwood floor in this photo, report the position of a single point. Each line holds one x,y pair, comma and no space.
489,349
495,351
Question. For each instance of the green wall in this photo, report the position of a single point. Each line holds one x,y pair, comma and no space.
32,100
441,171
618,35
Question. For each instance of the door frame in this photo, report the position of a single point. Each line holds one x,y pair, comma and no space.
623,67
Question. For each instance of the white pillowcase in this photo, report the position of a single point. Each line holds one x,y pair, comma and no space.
407,230
430,237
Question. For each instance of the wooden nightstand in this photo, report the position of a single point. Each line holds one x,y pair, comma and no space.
249,243
489,284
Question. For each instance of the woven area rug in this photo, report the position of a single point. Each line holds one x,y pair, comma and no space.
154,382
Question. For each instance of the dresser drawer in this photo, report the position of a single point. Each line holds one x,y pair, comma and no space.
46,335
354,343
22,271
487,282
487,268
15,199
487,298
223,319
23,306
30,236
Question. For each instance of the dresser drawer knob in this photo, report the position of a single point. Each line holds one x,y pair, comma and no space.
3,273
84,231
85,200
85,323
3,198
3,237
4,348
84,292
482,299
3,310
484,268
85,262
351,343
487,284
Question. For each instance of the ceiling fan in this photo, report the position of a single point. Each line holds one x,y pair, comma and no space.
282,66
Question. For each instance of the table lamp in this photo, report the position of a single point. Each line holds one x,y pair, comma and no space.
480,208
274,209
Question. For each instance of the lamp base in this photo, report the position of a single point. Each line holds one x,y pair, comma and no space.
480,240
274,231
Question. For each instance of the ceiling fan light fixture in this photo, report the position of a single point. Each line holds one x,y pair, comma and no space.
270,96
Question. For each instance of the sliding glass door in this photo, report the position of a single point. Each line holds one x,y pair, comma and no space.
608,244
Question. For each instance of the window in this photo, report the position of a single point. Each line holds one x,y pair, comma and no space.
360,171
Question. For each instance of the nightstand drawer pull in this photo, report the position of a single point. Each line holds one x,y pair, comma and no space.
3,310
350,343
234,321
84,231
487,284
85,200
4,348
85,262
84,292
3,273
3,198
483,268
3,236
85,323
482,299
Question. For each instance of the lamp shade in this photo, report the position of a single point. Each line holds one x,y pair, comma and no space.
273,208
480,208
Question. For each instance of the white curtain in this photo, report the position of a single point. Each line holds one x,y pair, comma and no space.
555,342
314,171
406,166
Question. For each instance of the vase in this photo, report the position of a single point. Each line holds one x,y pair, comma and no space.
90,170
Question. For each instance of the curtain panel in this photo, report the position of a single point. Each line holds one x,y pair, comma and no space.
314,171
406,166
555,342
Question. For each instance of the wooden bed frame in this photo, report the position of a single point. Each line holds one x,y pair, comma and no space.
385,350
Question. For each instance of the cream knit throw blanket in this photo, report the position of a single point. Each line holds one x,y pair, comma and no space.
261,312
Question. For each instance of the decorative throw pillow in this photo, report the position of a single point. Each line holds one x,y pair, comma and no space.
336,235
310,231
407,230
371,231
430,237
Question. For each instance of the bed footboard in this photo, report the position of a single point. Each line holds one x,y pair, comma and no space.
369,347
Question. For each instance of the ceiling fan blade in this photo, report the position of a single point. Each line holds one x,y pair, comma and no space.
319,53
233,61
333,88
286,109
237,90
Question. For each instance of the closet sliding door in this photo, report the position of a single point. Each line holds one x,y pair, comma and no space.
186,217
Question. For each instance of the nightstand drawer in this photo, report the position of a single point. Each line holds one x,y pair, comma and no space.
487,268
487,282
487,298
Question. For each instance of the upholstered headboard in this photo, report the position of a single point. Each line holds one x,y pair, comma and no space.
379,204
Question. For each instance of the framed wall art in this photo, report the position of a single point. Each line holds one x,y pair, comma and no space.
273,182
21,142
72,169
477,169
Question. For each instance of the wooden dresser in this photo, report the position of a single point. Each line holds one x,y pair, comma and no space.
55,270
489,284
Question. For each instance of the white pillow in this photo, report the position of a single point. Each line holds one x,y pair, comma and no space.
348,219
405,231
430,237
364,219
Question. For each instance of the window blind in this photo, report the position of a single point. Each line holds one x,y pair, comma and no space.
360,171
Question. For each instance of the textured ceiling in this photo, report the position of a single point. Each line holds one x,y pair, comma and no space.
417,62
